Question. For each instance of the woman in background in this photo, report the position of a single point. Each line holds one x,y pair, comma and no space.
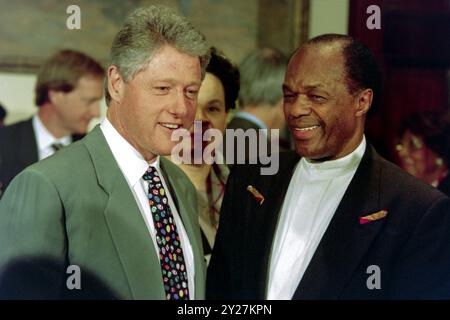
217,95
424,148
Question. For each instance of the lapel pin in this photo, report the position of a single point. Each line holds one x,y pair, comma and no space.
258,196
373,217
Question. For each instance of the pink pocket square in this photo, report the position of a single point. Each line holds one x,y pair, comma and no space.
373,217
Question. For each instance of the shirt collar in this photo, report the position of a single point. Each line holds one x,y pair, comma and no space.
334,168
250,117
44,138
130,161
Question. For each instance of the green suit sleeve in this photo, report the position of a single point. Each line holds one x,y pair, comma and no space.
32,228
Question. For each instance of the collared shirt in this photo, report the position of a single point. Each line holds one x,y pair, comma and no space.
45,140
133,167
314,193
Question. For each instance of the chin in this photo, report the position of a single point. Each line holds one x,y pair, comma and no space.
310,154
165,150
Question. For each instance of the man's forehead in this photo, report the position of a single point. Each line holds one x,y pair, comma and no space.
88,79
167,75
319,53
316,64
312,85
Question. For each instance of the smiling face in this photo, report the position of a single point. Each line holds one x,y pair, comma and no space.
159,99
416,158
326,121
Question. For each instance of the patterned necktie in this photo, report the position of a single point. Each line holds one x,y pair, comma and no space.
171,256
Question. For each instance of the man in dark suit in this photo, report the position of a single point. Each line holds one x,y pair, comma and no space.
68,90
337,221
3,115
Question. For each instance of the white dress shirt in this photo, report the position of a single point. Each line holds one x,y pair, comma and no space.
313,195
133,167
44,139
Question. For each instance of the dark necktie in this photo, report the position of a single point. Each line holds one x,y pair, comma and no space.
57,146
171,256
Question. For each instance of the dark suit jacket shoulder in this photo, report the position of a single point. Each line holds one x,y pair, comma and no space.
244,124
444,186
241,123
411,245
17,150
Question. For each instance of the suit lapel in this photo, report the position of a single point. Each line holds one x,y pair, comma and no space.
345,240
28,153
126,224
189,215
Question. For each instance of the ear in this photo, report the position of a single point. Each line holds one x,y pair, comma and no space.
55,97
364,102
115,83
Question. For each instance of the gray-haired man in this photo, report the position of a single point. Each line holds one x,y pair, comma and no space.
110,204
260,102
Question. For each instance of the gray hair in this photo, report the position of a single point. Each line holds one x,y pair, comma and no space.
145,31
262,76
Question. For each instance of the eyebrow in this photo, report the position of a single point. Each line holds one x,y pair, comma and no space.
172,81
216,101
315,86
307,88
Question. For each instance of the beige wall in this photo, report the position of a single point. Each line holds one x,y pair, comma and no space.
16,90
16,95
328,16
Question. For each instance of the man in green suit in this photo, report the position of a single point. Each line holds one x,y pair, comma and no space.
107,217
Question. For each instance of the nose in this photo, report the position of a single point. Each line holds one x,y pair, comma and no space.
180,105
300,107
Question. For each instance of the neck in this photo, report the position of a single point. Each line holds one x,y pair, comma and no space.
114,118
50,120
197,174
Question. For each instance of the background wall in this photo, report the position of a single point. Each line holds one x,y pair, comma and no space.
328,16
234,26
16,95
